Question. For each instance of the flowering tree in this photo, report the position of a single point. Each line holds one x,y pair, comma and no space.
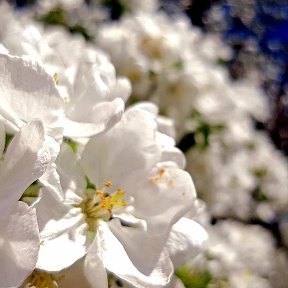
93,132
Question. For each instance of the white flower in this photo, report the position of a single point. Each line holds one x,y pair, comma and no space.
186,240
149,198
233,253
86,79
24,162
27,92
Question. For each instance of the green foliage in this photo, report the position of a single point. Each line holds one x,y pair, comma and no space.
113,282
222,62
192,279
89,184
72,144
78,28
179,65
202,133
204,130
259,196
57,16
260,172
31,193
8,139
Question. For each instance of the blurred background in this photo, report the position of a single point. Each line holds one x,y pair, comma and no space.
256,30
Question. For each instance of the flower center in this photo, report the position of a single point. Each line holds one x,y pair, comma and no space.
40,279
152,47
99,204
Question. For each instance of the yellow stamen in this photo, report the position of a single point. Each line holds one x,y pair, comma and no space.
108,184
56,79
40,279
99,204
158,176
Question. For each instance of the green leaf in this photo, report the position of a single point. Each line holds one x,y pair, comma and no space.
71,143
31,193
260,172
55,16
8,139
179,65
79,29
259,196
89,184
193,279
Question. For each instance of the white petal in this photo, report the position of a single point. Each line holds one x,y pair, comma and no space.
74,276
100,119
51,179
26,160
72,176
166,126
115,259
59,253
3,49
122,89
19,245
53,222
62,232
163,197
176,283
146,106
161,201
27,92
127,147
134,237
174,155
165,140
185,241
94,267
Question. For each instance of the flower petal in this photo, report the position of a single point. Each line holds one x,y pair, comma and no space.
26,160
185,241
19,245
72,177
51,179
122,151
103,117
94,267
62,232
59,253
74,276
116,260
27,92
122,89
161,200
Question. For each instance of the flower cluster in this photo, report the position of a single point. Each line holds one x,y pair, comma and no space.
94,191
177,68
86,185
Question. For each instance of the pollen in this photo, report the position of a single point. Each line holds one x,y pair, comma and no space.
108,184
66,99
101,203
56,79
155,179
40,279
